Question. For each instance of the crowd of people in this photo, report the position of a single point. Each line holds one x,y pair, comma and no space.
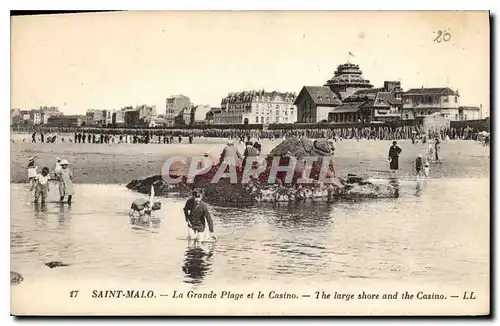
170,136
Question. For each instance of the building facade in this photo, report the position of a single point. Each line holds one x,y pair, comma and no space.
256,107
314,104
174,106
199,114
132,118
66,121
369,105
421,102
469,113
118,118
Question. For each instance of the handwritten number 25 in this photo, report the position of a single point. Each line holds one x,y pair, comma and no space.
442,36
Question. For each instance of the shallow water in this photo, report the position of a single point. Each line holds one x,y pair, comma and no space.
438,230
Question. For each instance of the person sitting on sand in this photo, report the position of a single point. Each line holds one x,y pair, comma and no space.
41,185
143,207
65,177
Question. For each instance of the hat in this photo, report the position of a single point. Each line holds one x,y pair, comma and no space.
230,142
32,158
58,159
419,155
64,162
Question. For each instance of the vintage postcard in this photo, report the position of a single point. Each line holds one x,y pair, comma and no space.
250,163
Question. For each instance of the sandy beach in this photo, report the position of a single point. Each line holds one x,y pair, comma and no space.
121,163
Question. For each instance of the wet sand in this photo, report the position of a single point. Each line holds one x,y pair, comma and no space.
121,163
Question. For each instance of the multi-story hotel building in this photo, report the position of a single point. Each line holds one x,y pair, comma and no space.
421,102
257,107
175,106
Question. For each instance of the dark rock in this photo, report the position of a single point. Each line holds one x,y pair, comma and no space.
53,264
15,278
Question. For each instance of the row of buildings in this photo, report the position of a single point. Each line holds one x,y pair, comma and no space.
346,97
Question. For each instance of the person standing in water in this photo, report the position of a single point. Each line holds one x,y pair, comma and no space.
393,155
41,185
197,215
65,177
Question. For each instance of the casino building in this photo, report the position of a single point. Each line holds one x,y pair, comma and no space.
349,97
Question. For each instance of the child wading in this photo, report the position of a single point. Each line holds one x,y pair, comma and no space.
65,177
41,185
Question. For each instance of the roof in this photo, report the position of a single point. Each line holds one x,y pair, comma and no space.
382,100
351,107
433,91
321,95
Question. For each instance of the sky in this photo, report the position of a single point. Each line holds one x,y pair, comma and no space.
111,60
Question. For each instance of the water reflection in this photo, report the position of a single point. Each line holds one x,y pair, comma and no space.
394,182
419,188
145,223
197,262
302,215
40,209
64,215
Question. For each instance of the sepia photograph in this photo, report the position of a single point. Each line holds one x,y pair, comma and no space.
249,163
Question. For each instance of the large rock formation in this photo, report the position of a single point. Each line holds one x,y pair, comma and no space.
258,189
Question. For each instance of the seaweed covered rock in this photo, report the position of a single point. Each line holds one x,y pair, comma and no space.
15,278
302,147
261,188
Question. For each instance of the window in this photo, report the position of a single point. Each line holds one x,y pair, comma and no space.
277,120
267,119
456,101
256,119
429,112
277,112
261,119
286,113
446,99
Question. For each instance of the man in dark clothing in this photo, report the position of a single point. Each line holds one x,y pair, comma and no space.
42,137
196,213
394,152
33,137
